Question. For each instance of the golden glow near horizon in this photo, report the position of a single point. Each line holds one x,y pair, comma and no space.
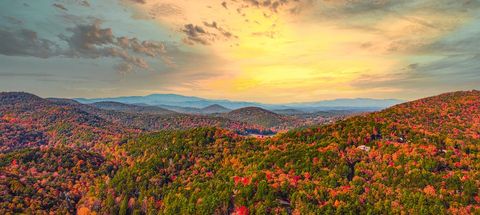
274,56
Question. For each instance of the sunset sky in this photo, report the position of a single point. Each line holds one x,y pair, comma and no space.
271,51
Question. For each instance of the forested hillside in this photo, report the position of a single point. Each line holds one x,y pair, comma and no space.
420,157
116,106
262,117
415,158
149,119
53,180
27,120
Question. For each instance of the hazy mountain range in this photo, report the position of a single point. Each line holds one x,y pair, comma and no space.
174,101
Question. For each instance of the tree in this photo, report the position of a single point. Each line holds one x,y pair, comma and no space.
123,206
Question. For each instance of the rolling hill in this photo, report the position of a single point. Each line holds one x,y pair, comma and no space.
146,119
26,118
29,120
258,116
211,109
214,109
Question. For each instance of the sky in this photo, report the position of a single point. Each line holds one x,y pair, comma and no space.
271,51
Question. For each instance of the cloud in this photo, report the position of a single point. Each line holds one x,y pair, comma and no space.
361,7
12,20
198,35
37,75
124,68
451,73
24,42
464,46
85,41
270,34
149,48
438,16
60,6
413,66
376,10
292,6
139,1
272,5
164,10
92,41
221,30
211,25
84,3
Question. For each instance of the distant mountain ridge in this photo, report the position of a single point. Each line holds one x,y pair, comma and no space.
130,108
181,101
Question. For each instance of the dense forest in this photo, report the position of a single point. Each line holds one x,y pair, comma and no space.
420,157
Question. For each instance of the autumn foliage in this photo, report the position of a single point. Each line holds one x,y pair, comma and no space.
421,157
